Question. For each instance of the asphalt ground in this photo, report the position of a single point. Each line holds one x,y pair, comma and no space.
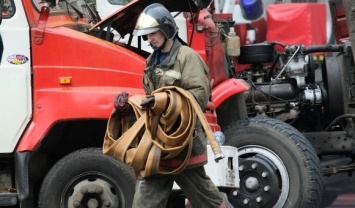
344,201
340,194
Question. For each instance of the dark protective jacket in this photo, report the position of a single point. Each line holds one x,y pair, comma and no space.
183,68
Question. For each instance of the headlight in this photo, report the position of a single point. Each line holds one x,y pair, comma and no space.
219,136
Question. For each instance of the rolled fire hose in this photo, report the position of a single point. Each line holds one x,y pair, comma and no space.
155,135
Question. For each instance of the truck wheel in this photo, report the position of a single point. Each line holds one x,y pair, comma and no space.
87,178
278,167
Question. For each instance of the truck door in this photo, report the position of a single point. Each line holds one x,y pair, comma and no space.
15,75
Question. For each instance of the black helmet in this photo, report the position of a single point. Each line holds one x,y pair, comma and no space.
156,17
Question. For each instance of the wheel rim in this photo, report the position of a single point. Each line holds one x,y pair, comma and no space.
91,190
264,179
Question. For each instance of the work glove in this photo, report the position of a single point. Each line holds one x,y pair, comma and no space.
148,102
121,104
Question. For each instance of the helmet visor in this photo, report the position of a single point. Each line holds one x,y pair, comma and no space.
144,31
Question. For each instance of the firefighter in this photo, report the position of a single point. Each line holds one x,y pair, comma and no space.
173,63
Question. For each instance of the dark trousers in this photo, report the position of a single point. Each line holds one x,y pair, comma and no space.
153,192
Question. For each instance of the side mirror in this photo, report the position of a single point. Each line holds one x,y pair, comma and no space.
251,9
1,10
52,3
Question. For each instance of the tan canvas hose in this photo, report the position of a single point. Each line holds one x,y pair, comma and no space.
152,138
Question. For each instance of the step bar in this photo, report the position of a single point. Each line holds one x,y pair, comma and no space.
8,199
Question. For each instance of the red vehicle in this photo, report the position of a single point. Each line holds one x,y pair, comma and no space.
61,74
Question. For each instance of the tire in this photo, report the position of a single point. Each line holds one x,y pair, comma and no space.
278,167
87,178
257,53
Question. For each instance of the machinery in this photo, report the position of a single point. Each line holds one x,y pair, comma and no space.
311,88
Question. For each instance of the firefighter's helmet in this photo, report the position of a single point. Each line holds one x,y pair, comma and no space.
153,18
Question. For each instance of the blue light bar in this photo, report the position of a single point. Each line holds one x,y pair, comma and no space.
251,9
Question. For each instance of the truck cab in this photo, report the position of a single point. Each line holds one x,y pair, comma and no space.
61,72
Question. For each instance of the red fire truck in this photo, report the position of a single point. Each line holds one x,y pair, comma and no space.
60,75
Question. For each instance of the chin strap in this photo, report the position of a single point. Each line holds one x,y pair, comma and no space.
161,47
